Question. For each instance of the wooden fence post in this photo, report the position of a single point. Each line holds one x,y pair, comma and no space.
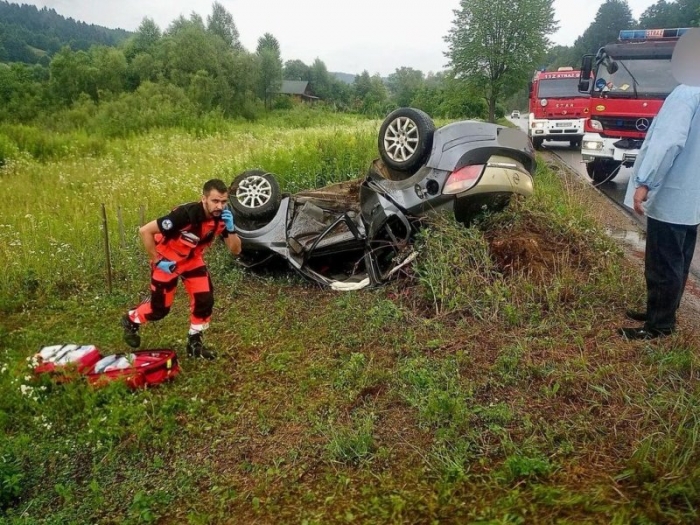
120,221
107,253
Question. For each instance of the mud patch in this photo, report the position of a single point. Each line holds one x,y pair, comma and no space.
634,238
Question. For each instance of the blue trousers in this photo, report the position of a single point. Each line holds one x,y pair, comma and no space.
669,252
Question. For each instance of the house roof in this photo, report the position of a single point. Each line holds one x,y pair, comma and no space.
294,87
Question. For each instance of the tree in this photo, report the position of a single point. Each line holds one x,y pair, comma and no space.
404,83
147,36
319,79
270,66
494,45
190,49
689,13
612,16
663,14
72,74
296,70
221,23
181,23
370,94
110,68
660,14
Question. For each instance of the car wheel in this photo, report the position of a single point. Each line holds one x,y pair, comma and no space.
405,139
255,194
602,170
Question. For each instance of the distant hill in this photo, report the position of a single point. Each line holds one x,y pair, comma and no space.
344,77
32,35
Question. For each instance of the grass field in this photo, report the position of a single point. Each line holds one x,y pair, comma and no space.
485,386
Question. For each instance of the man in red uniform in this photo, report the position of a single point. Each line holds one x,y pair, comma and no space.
175,244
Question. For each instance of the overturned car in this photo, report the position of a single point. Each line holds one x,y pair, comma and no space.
359,233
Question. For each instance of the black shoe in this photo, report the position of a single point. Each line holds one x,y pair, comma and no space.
642,333
196,348
131,332
636,315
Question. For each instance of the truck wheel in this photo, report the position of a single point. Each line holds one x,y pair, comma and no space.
405,139
603,170
255,194
537,143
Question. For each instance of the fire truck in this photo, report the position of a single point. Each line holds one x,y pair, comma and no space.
628,82
557,109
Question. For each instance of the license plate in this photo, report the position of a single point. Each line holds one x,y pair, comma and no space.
563,124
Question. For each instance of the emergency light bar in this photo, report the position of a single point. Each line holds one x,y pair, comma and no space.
651,34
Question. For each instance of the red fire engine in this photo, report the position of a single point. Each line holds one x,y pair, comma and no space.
557,108
627,82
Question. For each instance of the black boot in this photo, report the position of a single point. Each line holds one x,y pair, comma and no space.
636,315
196,348
131,332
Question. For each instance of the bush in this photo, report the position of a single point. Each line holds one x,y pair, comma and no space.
8,149
11,477
44,144
150,106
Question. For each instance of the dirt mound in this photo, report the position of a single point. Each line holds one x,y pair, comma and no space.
536,251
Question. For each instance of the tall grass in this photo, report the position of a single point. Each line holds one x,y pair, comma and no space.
51,236
538,255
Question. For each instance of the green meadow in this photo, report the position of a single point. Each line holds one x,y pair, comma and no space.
485,385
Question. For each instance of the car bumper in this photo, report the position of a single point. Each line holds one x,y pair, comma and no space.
595,147
571,129
493,191
501,179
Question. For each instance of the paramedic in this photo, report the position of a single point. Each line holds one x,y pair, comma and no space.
175,244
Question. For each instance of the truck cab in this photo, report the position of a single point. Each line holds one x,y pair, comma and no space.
557,109
628,82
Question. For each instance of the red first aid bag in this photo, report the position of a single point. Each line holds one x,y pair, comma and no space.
140,368
61,358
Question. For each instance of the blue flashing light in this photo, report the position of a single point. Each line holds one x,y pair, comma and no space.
651,34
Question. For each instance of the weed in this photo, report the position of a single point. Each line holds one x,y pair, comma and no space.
352,443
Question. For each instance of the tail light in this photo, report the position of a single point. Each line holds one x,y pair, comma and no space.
463,179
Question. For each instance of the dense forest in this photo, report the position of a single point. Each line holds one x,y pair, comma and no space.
33,36
63,74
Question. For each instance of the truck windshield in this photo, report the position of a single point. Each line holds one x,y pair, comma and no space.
653,78
558,88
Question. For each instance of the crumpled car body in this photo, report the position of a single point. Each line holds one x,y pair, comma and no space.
360,233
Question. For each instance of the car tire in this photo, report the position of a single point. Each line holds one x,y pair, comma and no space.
601,171
405,139
255,194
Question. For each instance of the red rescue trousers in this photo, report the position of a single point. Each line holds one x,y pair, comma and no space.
195,277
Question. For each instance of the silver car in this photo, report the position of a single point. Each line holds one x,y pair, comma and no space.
359,233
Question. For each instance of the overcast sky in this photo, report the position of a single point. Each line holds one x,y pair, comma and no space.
377,35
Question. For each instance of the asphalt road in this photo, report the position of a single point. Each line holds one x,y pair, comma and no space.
614,189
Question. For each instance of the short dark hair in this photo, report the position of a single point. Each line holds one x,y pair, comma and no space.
214,184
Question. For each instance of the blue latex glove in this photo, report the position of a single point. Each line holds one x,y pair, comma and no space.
227,217
166,265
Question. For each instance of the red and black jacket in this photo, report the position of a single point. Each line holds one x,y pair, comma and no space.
186,232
